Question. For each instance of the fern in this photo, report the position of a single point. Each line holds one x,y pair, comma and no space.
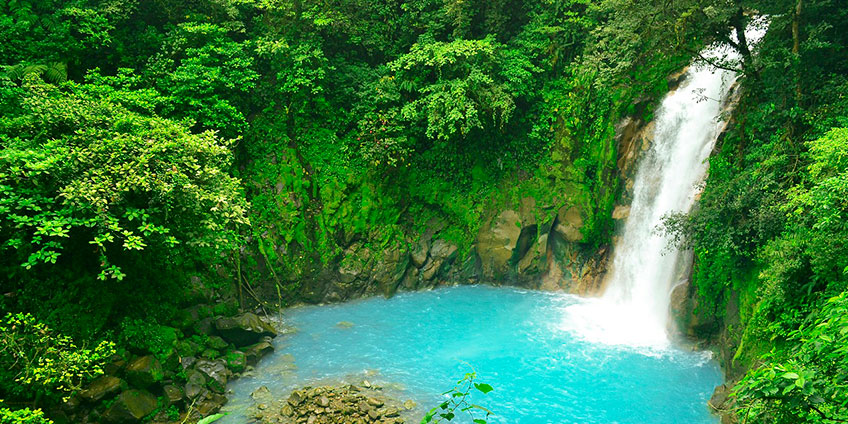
52,72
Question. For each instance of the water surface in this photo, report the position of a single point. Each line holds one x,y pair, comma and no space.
517,342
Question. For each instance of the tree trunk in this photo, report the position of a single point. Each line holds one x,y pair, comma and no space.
796,50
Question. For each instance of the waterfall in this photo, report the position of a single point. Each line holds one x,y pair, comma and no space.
634,308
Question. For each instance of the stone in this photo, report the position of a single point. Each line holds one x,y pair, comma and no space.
344,324
210,354
173,394
103,387
236,361
534,261
409,404
418,254
143,372
569,223
443,249
255,352
217,343
296,398
130,407
496,242
193,391
621,212
245,329
389,268
211,404
433,265
216,373
205,326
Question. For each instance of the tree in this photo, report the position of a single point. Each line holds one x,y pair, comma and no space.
84,175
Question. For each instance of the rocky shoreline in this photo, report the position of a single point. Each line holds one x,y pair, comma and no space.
335,404
185,383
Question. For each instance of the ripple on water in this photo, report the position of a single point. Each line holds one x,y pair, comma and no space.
420,343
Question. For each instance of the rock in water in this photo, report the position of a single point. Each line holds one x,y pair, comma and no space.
245,329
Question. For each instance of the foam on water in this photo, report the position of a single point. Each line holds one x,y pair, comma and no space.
420,343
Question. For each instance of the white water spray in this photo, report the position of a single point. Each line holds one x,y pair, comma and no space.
634,309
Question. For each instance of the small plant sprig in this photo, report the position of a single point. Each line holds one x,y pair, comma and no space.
459,401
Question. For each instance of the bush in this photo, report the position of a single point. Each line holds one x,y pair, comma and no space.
23,416
144,337
35,360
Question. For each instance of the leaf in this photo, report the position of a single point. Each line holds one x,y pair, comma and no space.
483,387
211,418
790,376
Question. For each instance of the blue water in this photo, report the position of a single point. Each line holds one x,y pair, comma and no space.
421,343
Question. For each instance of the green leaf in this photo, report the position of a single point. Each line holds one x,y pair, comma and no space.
483,387
211,418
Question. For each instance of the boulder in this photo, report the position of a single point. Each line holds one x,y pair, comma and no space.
193,391
442,249
569,223
143,372
217,343
130,407
534,261
621,212
216,373
496,242
356,264
236,361
173,394
103,387
390,268
211,404
255,352
418,255
243,330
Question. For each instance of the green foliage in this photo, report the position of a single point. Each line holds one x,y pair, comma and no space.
23,416
37,360
806,382
147,337
459,401
79,168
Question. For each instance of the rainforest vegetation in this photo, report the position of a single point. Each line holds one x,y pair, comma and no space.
160,154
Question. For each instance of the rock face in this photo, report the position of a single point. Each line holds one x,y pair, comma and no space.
496,243
245,329
130,407
539,241
327,405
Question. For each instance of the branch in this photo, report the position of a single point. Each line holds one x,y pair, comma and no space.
824,416
715,64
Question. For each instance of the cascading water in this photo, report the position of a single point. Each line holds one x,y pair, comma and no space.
634,309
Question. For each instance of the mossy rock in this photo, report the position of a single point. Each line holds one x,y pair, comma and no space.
236,361
210,354
217,343
145,371
189,348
